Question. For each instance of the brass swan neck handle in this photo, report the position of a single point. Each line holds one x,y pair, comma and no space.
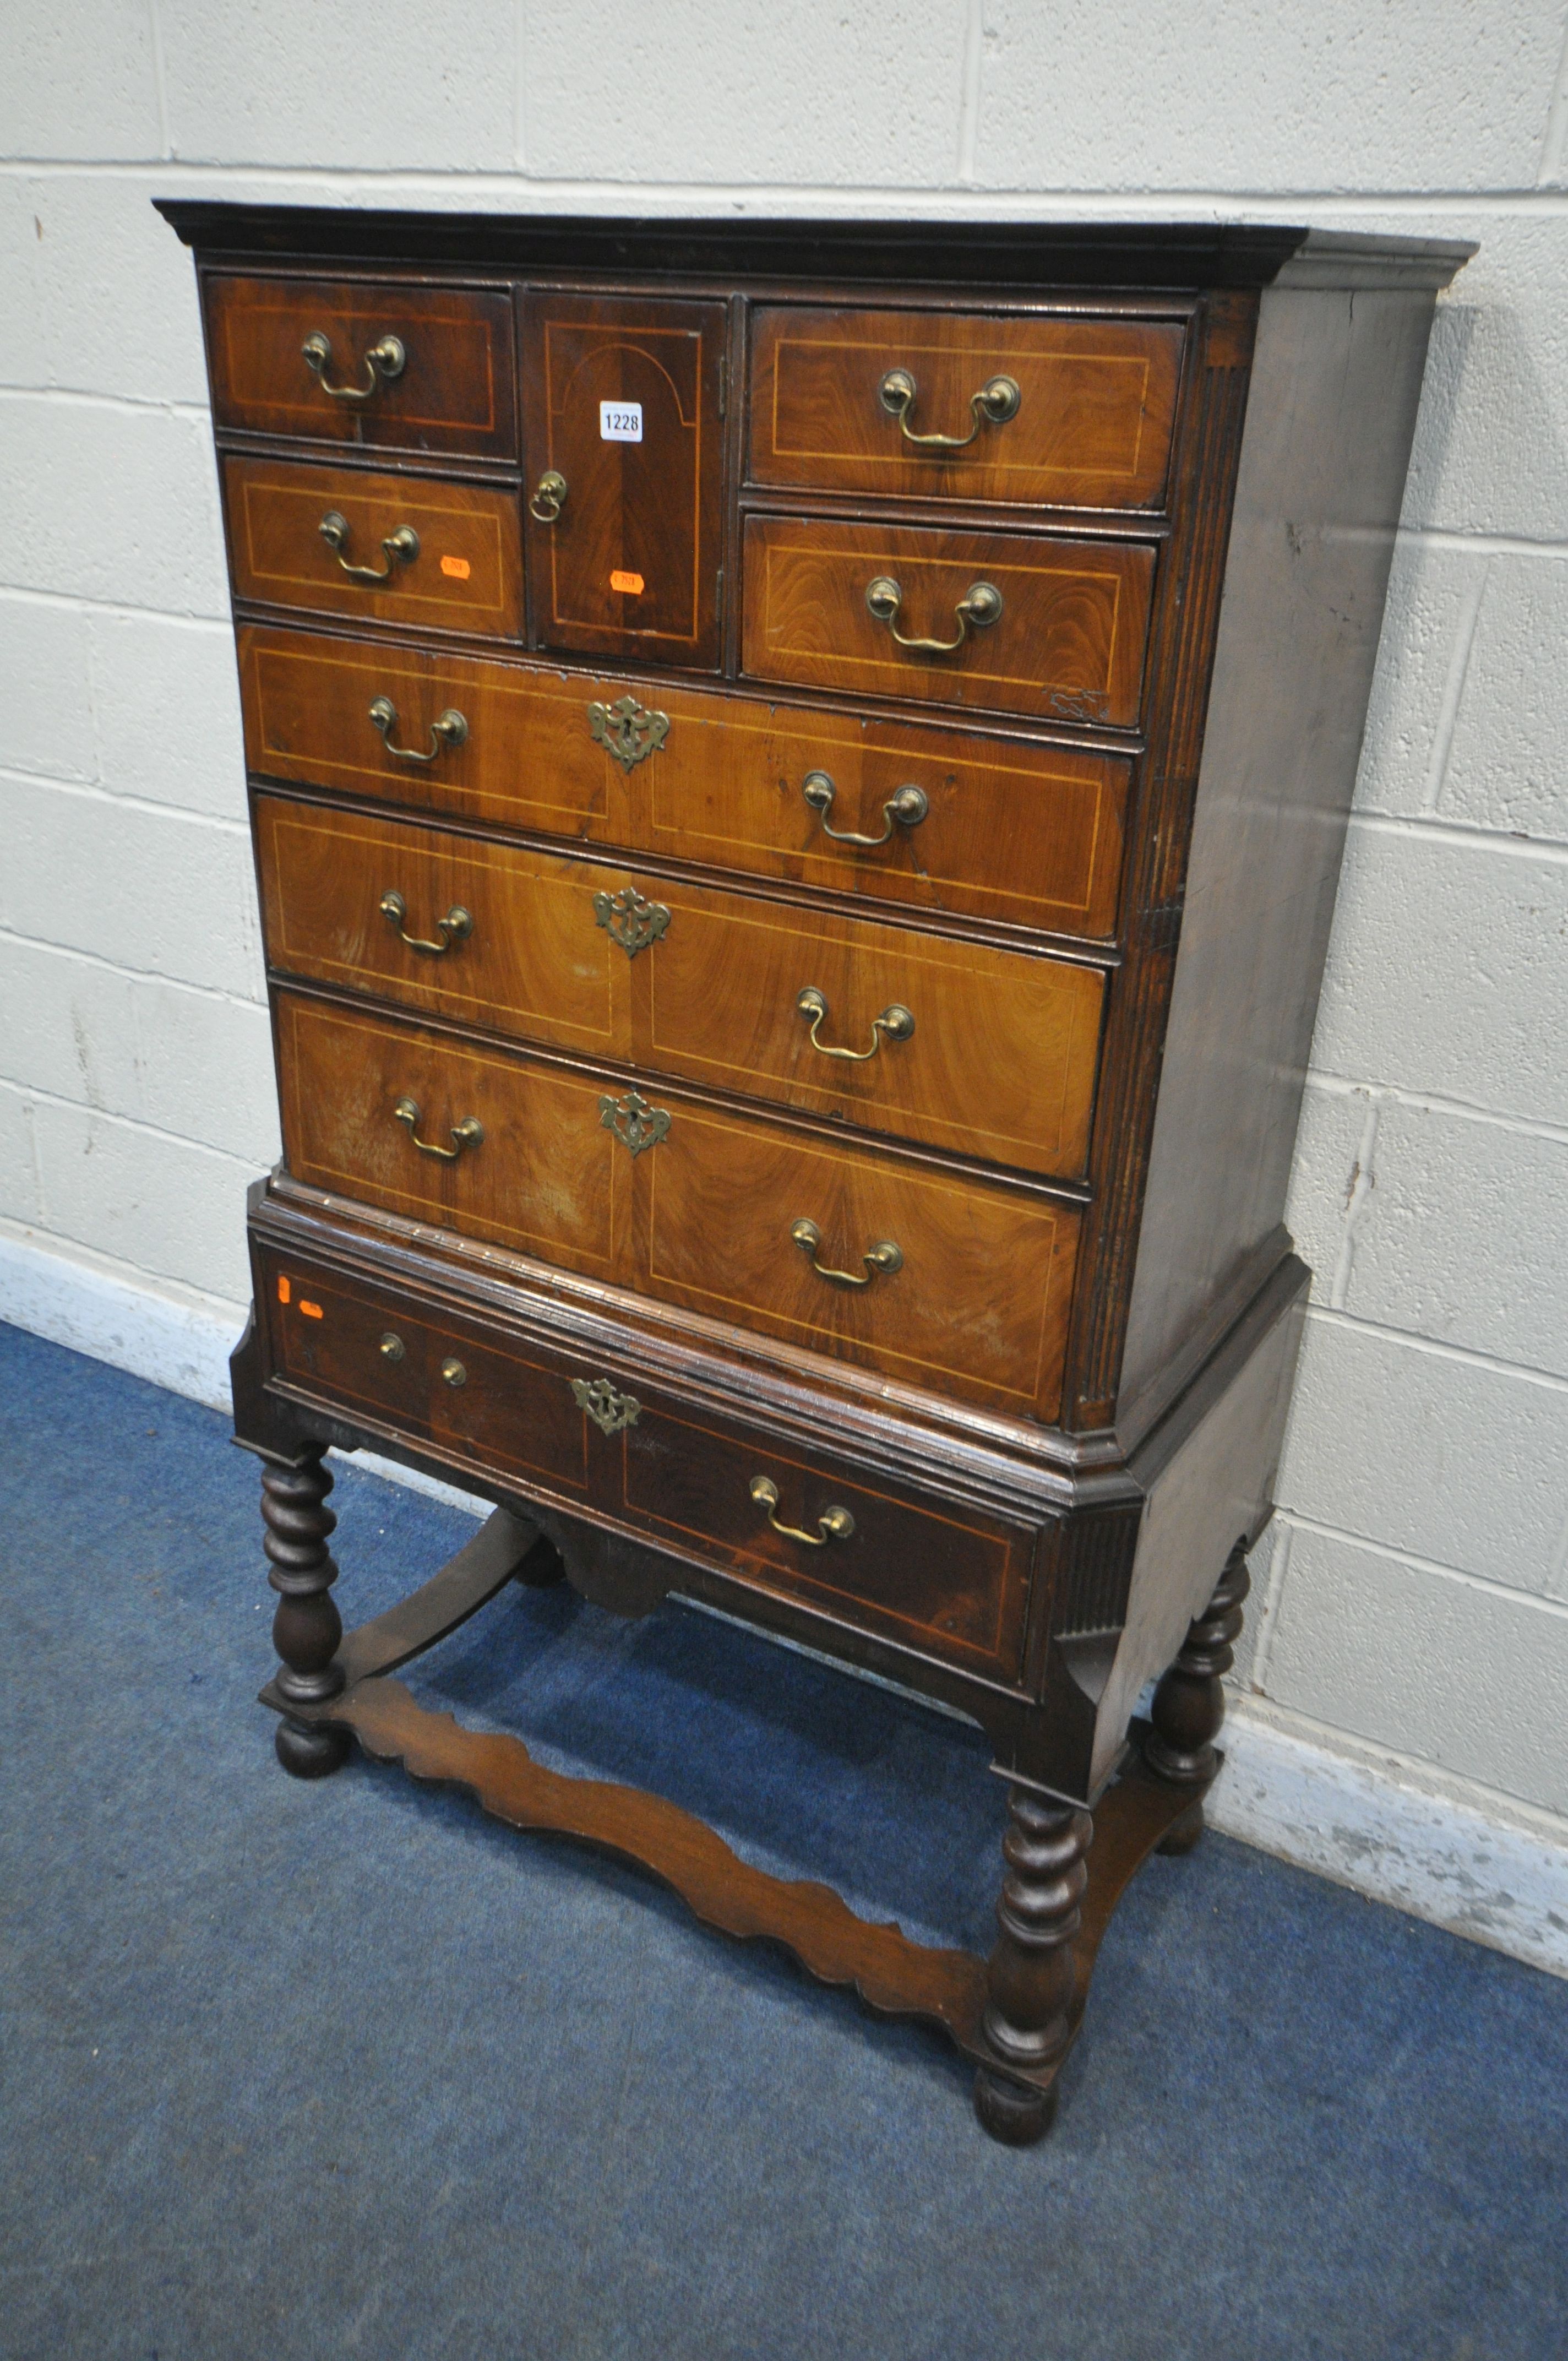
469,1133
994,405
979,607
895,1024
384,360
454,928
401,548
881,1260
833,1525
448,729
906,805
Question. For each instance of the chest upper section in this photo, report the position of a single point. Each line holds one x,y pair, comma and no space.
929,499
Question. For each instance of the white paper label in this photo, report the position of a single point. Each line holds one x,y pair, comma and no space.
620,421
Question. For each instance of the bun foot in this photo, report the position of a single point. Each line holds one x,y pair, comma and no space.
310,1750
1184,1833
1011,2111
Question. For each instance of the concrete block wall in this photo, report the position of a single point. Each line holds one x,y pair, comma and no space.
1412,1606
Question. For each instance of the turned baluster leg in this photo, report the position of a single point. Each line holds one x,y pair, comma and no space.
307,1628
1030,1977
1189,1703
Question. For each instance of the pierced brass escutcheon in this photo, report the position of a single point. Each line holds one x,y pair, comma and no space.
401,548
881,1260
454,928
832,1525
994,405
635,1123
627,729
448,729
454,1373
906,805
469,1133
896,1021
630,921
391,1346
609,1411
549,496
979,607
383,361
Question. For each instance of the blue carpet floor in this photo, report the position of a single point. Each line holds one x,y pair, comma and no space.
299,2070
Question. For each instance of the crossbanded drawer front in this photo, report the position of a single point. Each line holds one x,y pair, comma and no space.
945,1282
433,1377
1037,625
1048,411
992,829
951,1582
372,364
988,1053
384,549
482,932
504,1149
949,1283
991,1053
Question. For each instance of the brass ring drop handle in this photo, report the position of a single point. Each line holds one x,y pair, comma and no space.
979,607
994,405
383,361
896,1021
907,806
833,1524
448,729
548,497
467,1133
881,1260
401,548
454,928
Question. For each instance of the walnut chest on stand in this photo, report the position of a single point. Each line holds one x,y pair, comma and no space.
798,773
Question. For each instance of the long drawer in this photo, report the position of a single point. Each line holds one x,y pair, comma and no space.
372,363
986,828
387,549
1030,624
991,1053
951,1582
948,1281
1064,412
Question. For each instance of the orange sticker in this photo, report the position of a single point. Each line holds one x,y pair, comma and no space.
633,582
459,569
311,1310
283,1291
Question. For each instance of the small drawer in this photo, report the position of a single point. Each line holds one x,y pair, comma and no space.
948,820
948,1581
384,367
386,549
432,1380
990,1053
509,1149
951,1283
1038,625
964,405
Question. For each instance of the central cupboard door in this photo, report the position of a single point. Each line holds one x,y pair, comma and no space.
623,448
